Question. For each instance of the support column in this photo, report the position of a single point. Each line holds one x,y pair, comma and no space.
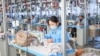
63,21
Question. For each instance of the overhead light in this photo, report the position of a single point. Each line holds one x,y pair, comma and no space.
98,0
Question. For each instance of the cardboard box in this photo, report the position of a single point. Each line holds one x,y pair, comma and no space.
94,31
23,38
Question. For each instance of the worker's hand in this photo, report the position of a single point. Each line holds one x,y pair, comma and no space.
49,41
78,23
73,39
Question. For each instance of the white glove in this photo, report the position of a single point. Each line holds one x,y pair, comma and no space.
73,39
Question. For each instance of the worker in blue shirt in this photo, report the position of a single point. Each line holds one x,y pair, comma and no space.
54,36
81,21
35,19
55,31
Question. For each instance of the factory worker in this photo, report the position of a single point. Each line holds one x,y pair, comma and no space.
28,21
35,19
54,35
81,21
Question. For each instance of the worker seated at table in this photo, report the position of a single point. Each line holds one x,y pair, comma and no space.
35,19
81,21
54,36
28,21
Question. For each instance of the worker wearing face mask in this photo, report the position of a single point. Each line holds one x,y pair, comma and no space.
81,21
54,36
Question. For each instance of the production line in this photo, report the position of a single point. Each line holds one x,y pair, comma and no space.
50,28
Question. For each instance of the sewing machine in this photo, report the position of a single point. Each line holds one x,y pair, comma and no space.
38,34
70,22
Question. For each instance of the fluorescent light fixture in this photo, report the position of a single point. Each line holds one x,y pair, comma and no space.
98,0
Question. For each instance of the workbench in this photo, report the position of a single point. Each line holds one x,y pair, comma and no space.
40,50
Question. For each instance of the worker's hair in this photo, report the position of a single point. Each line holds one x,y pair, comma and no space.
53,19
82,16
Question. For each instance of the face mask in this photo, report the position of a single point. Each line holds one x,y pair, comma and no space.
53,27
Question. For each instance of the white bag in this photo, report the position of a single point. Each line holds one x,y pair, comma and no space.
89,54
